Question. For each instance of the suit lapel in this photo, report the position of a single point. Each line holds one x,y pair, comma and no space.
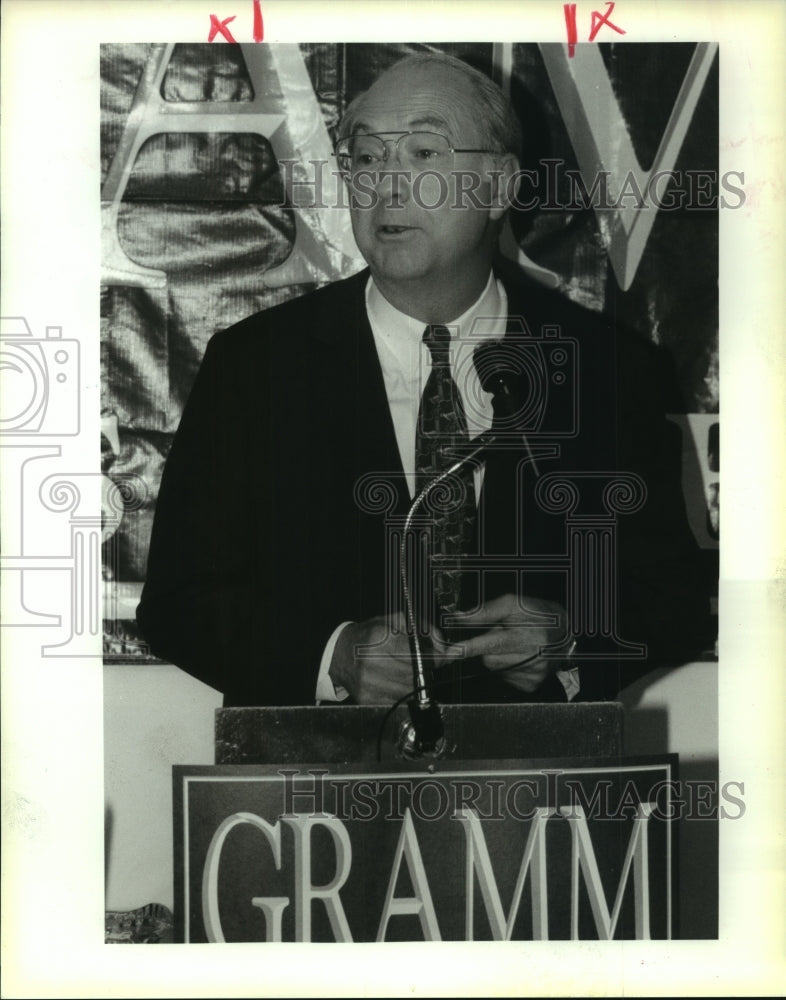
509,520
369,432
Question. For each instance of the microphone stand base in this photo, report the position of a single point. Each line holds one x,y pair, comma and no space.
423,734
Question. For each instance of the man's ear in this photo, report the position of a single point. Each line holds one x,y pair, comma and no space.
503,184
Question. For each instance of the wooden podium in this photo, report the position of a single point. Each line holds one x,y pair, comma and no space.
355,734
314,826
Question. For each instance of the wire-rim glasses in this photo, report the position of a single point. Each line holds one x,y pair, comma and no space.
416,151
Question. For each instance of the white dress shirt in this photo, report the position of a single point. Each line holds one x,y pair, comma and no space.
406,363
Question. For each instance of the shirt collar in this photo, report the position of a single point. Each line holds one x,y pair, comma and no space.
395,327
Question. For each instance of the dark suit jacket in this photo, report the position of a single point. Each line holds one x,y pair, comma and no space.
261,547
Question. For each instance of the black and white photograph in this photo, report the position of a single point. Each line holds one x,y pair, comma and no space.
288,435
395,599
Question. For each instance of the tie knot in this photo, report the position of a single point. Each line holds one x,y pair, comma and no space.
437,339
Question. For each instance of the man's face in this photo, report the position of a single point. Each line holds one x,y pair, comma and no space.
402,240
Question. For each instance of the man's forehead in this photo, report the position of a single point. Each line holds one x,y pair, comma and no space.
414,121
434,98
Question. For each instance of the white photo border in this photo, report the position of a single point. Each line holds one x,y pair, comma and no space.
52,741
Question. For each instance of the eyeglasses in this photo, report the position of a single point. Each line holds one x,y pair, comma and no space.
416,151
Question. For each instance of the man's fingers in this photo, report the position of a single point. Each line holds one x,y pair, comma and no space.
490,613
508,610
495,640
476,646
535,669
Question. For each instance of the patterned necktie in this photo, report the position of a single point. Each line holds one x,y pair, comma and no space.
441,433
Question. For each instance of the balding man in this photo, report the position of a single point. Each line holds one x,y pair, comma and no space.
273,571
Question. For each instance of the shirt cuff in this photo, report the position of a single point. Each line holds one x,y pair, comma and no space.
326,689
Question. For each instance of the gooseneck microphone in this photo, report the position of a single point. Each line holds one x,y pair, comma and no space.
424,733
499,374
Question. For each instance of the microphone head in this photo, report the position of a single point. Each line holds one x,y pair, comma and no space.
499,370
493,364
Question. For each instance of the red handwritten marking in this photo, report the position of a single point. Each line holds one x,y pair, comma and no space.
570,22
220,28
598,20
259,28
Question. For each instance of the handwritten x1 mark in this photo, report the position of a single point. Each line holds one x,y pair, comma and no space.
220,27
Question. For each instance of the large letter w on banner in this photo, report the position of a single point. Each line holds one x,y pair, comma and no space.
602,143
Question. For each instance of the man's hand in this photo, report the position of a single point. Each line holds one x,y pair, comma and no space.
372,660
518,629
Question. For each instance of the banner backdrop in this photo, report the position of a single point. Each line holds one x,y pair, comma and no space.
210,212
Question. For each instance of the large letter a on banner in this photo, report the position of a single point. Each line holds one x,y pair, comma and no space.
324,248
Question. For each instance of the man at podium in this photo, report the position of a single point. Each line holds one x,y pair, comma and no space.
556,563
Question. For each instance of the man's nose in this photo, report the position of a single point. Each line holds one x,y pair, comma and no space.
394,181
394,186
